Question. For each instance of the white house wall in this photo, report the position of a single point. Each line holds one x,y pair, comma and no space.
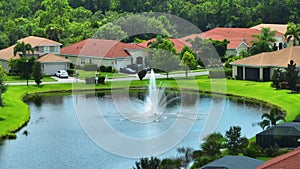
4,64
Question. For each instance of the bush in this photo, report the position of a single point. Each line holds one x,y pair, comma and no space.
114,70
142,74
101,80
90,67
217,73
272,151
71,72
102,68
220,73
253,150
108,69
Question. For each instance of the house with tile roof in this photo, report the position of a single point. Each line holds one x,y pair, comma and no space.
260,67
286,161
51,63
233,162
104,52
178,43
274,27
284,135
42,47
239,38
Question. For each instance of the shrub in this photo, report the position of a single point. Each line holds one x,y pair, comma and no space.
271,151
142,74
101,80
102,68
217,73
253,150
71,72
108,69
114,70
90,67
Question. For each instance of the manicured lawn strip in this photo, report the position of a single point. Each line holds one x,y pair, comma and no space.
84,74
17,79
16,113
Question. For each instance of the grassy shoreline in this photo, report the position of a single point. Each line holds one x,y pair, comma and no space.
16,113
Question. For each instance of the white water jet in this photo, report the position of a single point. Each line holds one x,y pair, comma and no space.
156,101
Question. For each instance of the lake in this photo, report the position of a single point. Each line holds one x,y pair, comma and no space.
56,139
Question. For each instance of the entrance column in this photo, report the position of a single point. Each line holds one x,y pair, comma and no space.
261,74
244,73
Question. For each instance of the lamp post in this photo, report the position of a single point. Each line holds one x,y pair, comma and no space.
27,71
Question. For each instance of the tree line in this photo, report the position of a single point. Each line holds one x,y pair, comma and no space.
70,21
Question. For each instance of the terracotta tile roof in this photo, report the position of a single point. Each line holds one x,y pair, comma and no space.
274,27
38,41
178,43
8,53
99,48
278,58
289,160
51,58
234,35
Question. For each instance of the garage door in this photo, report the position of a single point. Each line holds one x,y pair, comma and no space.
50,69
252,74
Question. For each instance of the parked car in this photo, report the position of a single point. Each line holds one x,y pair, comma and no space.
127,70
61,74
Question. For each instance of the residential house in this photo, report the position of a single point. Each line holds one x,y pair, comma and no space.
233,162
281,28
178,43
284,135
260,67
286,161
51,63
42,47
104,52
240,39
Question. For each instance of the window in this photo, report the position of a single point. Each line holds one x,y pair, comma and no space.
52,48
82,61
91,60
139,60
40,49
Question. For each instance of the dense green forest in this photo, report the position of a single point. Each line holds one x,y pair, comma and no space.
69,21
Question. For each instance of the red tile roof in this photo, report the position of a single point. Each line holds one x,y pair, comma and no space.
51,58
178,43
234,35
99,48
8,53
289,160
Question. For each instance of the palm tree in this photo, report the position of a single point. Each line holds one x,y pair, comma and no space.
293,32
23,48
264,41
271,119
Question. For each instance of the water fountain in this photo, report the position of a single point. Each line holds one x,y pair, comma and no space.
156,101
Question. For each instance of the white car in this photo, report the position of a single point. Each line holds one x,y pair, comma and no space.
61,74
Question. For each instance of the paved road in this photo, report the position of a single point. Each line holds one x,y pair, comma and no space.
132,77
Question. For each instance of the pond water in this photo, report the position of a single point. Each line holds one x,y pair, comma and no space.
55,138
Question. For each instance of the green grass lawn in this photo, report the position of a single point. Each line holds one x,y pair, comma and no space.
16,112
83,74
17,79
